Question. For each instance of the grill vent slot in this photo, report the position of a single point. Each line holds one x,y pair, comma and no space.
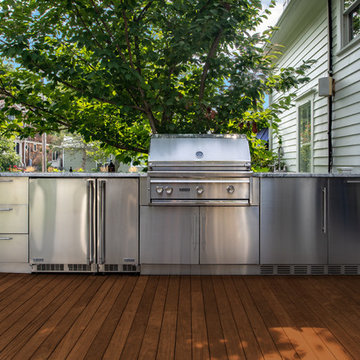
266,270
283,269
50,267
351,270
317,270
129,268
300,270
79,267
334,270
111,267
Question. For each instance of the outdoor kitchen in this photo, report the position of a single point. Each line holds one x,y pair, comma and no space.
198,210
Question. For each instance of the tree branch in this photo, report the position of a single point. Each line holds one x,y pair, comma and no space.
144,10
127,39
210,55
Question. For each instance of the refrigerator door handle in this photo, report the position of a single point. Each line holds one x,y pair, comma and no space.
101,224
91,210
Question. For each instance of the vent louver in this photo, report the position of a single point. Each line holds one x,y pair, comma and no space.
300,270
50,267
351,270
317,270
79,267
112,267
283,269
334,270
129,268
266,270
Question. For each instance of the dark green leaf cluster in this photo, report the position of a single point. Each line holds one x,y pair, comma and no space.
117,71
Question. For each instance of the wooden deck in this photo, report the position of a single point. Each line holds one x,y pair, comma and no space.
150,317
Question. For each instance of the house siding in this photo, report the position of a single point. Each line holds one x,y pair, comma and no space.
312,43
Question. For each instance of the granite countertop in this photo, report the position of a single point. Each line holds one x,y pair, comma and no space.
138,175
71,175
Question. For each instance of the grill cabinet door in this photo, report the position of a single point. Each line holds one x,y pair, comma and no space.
118,202
229,235
293,221
344,221
59,221
169,235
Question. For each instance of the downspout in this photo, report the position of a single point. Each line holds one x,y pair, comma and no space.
330,73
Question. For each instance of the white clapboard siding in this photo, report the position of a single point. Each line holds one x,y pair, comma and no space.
312,43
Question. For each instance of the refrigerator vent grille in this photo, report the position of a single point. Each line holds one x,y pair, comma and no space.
317,270
300,269
111,267
266,270
129,268
351,270
334,270
283,269
79,267
50,267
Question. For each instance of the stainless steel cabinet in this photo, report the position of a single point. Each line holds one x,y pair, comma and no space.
293,221
13,220
168,235
193,235
118,212
344,221
84,224
229,235
60,221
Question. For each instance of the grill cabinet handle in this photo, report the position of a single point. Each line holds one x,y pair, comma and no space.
6,209
6,238
101,226
91,214
324,203
6,181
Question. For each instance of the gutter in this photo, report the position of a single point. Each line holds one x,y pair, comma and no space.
330,73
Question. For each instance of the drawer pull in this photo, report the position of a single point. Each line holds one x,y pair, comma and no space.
6,238
6,209
6,181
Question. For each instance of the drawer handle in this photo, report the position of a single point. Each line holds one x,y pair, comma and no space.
6,209
6,180
6,238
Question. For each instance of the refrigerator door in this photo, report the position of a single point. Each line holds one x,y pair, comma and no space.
60,221
118,243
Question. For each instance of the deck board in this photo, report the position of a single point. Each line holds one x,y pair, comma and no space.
79,316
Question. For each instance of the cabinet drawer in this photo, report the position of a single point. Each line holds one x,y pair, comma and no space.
13,248
13,219
13,190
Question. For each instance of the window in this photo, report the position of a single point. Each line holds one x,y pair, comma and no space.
351,20
305,148
35,147
55,155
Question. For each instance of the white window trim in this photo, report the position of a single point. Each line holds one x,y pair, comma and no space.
346,42
299,102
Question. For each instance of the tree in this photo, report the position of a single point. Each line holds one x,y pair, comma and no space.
117,71
8,156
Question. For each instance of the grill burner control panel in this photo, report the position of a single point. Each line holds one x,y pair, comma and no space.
200,189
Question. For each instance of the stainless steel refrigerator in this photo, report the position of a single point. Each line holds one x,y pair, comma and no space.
83,224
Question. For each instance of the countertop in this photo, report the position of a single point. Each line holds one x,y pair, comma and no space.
138,175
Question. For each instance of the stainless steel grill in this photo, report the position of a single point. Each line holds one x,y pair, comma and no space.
200,170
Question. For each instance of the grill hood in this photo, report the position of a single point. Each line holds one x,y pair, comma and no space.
199,152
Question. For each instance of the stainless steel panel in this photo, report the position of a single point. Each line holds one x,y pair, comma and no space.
198,150
13,248
291,221
169,235
119,201
59,221
13,190
189,202
211,188
14,219
344,221
229,235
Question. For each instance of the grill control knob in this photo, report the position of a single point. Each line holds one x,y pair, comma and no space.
169,190
159,190
199,190
230,189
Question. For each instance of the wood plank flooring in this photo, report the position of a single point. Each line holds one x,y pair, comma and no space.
70,316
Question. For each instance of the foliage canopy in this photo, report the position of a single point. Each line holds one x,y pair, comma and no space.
117,71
